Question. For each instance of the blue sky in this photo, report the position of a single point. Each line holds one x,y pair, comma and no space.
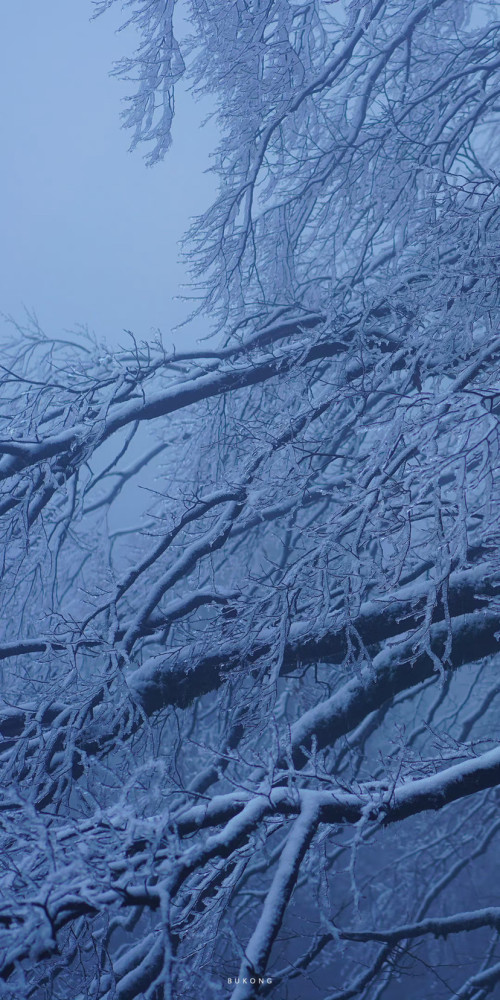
89,235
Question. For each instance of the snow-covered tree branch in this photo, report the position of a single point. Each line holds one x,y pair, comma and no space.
248,731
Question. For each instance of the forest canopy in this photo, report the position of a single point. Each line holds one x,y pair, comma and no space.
248,732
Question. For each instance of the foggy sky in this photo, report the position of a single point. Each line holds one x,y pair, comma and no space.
89,233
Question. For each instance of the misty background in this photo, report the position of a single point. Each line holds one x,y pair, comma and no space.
89,233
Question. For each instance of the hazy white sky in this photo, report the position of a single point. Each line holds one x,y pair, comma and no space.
89,235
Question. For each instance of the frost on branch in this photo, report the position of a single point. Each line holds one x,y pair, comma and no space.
155,68
250,592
